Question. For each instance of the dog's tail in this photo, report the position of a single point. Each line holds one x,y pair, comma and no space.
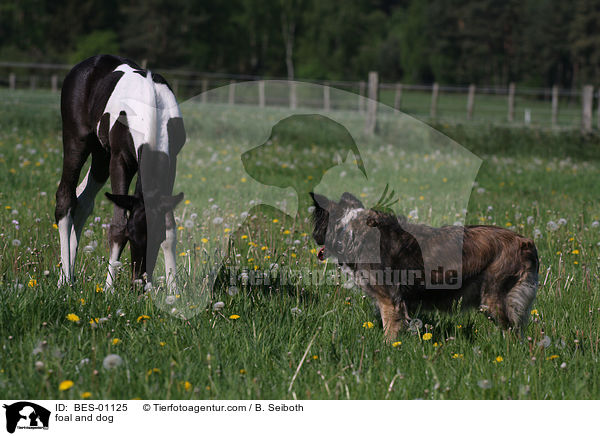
520,298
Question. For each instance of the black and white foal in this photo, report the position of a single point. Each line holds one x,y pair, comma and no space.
128,120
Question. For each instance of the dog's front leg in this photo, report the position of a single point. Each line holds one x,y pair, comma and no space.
390,316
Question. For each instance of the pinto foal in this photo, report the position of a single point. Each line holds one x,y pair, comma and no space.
128,120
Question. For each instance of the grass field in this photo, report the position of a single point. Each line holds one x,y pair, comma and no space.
300,341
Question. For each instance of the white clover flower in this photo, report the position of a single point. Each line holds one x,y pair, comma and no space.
112,361
295,311
311,209
484,384
480,190
595,224
39,365
552,226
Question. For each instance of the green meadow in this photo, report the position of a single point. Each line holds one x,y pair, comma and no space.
306,338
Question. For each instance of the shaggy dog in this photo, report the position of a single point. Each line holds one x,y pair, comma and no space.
404,266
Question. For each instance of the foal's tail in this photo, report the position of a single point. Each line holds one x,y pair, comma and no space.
520,298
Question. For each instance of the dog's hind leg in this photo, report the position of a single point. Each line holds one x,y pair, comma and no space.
519,300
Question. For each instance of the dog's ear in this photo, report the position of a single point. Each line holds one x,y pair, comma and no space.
382,220
351,200
321,202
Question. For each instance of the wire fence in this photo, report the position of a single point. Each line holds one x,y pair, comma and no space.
512,105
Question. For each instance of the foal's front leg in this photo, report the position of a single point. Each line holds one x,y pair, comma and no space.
170,251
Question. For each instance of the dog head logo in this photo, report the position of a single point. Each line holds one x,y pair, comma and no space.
26,415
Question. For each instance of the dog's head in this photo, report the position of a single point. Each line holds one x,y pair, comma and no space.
346,229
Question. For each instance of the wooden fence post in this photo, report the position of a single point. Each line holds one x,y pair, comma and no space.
587,99
435,89
554,105
204,90
326,97
398,96
511,102
12,81
54,83
231,99
261,93
293,96
470,101
371,120
361,96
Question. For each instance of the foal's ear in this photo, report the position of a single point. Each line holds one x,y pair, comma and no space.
126,202
170,202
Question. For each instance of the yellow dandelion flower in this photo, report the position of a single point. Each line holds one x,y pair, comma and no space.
180,227
368,325
86,395
183,254
82,301
187,202
554,356
234,316
534,312
242,371
65,385
227,230
153,371
162,344
396,344
275,220
499,359
313,251
187,386
458,356
243,180
99,288
142,318
286,232
575,251
293,255
264,247
94,321
54,226
204,240
72,317
315,357
427,336
116,341
32,283
244,236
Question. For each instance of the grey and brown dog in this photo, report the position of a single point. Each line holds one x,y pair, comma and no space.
404,266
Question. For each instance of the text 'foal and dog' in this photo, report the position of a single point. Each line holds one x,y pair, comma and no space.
128,120
404,266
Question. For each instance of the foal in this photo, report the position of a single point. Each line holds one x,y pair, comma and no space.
128,120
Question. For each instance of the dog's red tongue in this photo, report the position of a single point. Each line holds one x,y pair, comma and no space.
321,254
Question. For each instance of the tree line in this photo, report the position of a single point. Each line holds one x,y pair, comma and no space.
488,42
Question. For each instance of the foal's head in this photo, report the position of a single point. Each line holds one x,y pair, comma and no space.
144,246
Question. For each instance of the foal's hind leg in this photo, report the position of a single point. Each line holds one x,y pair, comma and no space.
87,190
75,153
